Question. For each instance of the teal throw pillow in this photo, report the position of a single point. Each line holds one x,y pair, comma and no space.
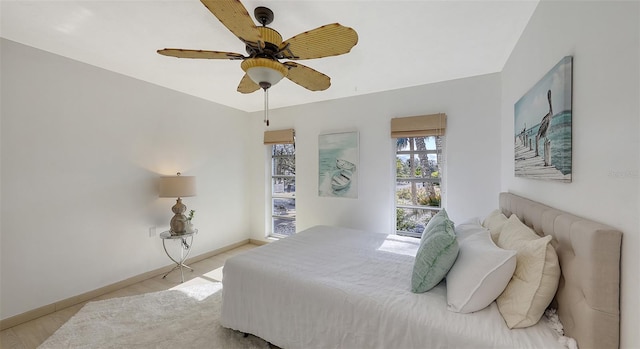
437,252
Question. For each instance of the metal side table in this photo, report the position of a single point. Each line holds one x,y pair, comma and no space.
185,248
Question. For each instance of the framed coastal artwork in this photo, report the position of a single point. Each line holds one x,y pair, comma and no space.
338,165
542,134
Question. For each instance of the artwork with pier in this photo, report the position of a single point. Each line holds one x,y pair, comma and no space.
542,139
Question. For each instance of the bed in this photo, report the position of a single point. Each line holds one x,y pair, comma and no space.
329,287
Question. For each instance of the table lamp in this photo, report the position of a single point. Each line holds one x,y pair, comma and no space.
178,187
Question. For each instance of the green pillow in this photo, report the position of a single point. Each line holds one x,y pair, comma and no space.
437,252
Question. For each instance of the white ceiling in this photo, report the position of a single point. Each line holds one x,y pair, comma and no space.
401,43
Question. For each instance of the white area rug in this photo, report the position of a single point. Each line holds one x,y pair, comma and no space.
184,317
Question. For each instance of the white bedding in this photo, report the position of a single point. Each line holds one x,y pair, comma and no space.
330,287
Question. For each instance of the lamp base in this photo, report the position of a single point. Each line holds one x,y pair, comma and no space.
178,223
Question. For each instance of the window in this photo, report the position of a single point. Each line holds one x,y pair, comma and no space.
283,190
418,179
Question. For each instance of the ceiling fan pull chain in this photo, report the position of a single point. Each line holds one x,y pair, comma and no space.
266,106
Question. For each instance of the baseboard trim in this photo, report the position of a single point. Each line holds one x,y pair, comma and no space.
71,301
258,242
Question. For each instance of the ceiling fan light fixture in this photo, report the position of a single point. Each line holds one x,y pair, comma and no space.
264,71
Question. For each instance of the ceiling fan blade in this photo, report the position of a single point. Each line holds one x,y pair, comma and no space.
182,53
308,78
247,85
235,17
328,40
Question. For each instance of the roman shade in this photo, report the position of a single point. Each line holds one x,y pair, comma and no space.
279,136
419,126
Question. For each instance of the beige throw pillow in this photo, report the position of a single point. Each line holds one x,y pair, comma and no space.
495,221
535,279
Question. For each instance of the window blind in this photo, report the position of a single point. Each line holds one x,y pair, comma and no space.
419,126
280,136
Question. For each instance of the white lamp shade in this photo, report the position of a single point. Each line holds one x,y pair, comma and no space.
177,186
264,70
264,74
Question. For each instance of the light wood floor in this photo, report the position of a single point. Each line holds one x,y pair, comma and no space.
31,334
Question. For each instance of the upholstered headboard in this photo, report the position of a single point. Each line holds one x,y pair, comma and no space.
589,252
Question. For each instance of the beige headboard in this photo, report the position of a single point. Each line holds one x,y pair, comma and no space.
589,252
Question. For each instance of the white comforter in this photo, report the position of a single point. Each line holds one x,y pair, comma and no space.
330,287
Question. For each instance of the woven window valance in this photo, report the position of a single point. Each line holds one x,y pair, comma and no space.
419,126
279,136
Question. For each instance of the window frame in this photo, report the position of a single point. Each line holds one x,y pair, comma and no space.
285,195
415,156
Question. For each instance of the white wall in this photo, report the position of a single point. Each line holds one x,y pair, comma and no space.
472,145
82,149
603,38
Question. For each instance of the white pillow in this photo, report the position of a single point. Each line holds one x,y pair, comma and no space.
473,220
494,222
468,228
479,275
535,280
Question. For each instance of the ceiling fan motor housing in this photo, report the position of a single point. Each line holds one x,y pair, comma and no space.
272,41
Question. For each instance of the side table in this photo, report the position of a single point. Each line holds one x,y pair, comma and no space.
185,248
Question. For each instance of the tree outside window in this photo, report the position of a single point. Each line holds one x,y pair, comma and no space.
418,179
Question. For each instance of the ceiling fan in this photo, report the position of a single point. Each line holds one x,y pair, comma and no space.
265,48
